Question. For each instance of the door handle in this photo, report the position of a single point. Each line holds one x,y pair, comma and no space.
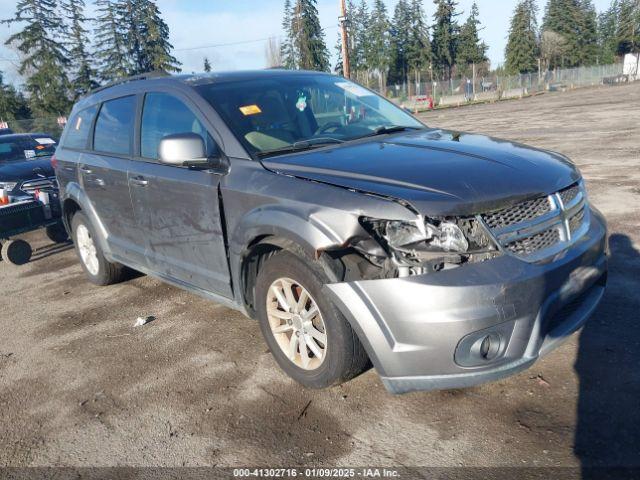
138,182
69,169
86,170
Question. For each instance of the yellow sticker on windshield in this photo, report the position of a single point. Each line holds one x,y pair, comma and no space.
250,110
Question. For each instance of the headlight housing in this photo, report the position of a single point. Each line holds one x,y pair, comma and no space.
8,186
445,237
427,245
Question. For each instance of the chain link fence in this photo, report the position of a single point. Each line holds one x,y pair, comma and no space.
458,91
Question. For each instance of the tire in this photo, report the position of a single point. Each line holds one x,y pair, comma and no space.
97,268
16,252
342,358
57,233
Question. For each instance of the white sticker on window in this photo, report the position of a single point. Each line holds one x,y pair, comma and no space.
29,154
354,89
46,141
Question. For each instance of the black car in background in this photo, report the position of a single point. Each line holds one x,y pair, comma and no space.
25,163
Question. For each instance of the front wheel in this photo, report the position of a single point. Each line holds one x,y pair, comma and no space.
308,336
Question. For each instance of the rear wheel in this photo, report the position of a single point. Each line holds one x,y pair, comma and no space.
99,270
308,336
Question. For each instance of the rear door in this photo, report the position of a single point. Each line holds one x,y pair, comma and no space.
103,175
177,208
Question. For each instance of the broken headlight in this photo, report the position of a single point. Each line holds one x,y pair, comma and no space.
427,245
445,237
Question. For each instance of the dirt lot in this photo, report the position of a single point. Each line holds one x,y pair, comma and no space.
80,386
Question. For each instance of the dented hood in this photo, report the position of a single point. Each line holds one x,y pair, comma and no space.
437,172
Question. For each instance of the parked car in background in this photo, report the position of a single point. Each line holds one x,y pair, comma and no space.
25,174
350,230
6,131
25,163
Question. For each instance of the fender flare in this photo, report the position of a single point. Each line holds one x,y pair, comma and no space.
74,192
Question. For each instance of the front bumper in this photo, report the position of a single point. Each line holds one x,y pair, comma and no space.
425,332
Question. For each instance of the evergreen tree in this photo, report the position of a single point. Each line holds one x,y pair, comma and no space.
110,43
445,36
419,55
378,51
522,50
399,42
308,37
339,67
628,36
83,79
360,40
207,65
607,34
471,50
13,105
587,32
565,18
147,36
44,59
288,53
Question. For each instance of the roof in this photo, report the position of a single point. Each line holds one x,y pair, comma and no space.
238,76
194,79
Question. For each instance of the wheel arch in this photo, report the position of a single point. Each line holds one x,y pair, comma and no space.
75,200
263,246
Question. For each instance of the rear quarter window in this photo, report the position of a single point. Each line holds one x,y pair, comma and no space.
79,129
114,127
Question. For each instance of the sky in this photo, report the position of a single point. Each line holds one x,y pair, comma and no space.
234,32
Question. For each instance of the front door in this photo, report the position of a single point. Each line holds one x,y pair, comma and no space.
177,209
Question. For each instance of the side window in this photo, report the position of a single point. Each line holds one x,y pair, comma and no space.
114,127
79,128
163,115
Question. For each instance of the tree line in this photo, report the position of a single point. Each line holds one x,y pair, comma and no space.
572,34
394,48
402,47
60,62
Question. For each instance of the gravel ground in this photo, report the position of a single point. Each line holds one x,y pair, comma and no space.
79,386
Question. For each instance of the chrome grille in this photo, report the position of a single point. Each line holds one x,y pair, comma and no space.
568,195
576,221
535,243
537,229
522,212
38,184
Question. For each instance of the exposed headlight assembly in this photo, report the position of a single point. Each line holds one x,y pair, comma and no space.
445,237
427,245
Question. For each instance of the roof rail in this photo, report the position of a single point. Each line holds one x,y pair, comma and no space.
135,78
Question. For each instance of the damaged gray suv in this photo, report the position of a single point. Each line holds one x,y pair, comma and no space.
352,232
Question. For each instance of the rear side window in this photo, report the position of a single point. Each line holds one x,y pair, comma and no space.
163,115
79,128
114,127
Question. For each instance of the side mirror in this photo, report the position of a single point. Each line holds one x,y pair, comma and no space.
185,150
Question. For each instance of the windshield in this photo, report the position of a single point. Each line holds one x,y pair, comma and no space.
21,148
276,114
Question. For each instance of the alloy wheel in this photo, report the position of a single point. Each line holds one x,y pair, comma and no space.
296,323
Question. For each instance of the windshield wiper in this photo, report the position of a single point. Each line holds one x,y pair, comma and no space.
384,130
300,146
